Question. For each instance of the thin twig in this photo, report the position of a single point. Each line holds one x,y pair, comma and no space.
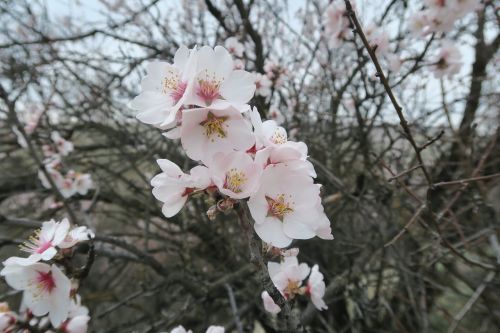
380,73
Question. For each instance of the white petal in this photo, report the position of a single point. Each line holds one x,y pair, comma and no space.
239,87
271,231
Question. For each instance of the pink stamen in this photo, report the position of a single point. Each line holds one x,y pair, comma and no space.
43,246
208,90
46,281
178,92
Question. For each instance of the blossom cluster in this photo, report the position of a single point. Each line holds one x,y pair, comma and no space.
50,301
71,182
440,15
288,277
202,100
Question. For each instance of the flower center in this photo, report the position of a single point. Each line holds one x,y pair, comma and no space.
278,207
279,137
208,87
235,179
214,125
36,244
172,86
292,289
45,282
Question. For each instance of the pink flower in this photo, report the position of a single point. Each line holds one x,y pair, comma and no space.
173,187
166,88
82,183
316,288
288,275
285,206
7,318
234,46
205,132
46,289
64,147
262,85
217,84
235,174
449,61
42,245
269,304
75,236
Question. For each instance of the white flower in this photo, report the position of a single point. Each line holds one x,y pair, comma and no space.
166,88
234,46
7,318
217,84
336,23
42,245
449,61
46,289
235,174
316,288
82,183
180,329
75,236
262,85
285,206
269,304
215,329
173,187
78,317
78,324
205,132
64,147
288,275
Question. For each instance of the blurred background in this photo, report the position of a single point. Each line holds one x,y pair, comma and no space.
415,227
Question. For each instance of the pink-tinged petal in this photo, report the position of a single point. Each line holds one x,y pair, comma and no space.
60,300
269,304
170,168
271,231
173,134
297,230
239,87
223,62
181,57
78,324
34,258
61,231
48,254
258,208
172,207
273,268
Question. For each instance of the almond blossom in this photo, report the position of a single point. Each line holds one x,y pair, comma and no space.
217,84
205,132
262,85
336,23
269,304
449,61
7,318
75,236
234,46
180,329
166,88
78,317
288,275
63,146
42,245
284,208
46,289
316,288
173,187
235,174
